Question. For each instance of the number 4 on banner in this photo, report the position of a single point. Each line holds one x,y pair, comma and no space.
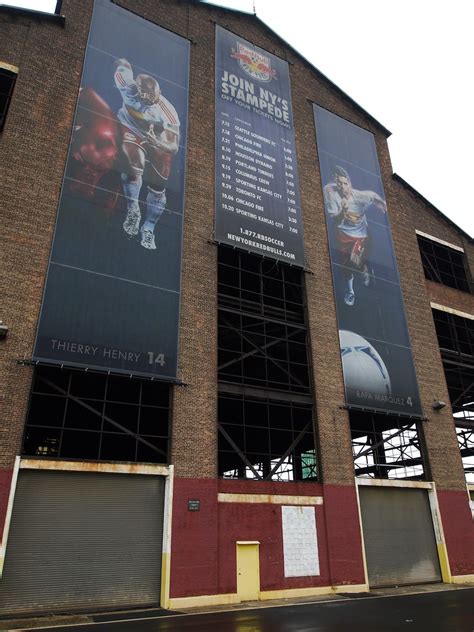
159,358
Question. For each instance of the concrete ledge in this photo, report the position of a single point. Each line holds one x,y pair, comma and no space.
94,466
228,599
462,579
312,591
382,482
271,499
200,601
450,310
32,13
351,588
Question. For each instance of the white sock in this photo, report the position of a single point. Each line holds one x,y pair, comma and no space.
155,205
131,189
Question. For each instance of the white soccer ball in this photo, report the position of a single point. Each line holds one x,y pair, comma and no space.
364,369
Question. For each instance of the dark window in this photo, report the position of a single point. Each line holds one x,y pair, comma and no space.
259,352
385,446
262,330
455,334
94,416
7,83
443,264
265,402
265,439
456,341
260,286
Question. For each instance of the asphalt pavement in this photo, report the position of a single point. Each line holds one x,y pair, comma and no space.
438,611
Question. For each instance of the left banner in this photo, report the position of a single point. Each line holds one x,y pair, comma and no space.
112,294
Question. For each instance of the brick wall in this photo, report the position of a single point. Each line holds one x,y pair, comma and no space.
33,149
413,214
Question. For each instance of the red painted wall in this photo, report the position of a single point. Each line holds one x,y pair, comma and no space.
228,486
344,543
262,522
203,557
458,527
5,483
194,558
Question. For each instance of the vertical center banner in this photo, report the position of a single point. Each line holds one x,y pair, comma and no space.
257,190
111,300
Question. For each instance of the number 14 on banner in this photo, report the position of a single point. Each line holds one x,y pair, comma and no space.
159,358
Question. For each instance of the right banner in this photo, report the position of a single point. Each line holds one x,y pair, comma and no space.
377,360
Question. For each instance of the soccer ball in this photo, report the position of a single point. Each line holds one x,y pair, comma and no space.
364,369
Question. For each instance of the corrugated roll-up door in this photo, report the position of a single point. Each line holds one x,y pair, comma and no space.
82,540
399,538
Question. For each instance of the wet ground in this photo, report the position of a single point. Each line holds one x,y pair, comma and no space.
447,610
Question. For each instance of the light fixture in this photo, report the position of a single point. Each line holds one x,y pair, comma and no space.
438,404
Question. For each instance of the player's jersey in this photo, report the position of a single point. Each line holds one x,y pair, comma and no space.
139,116
353,220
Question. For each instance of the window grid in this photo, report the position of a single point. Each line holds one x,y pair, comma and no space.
262,348
454,332
94,416
266,354
384,446
456,341
443,264
466,447
262,286
263,430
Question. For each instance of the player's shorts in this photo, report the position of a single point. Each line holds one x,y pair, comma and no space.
158,160
129,136
352,248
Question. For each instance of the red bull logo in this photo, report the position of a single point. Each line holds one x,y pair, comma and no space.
255,64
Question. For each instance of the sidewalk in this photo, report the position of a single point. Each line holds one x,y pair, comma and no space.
150,613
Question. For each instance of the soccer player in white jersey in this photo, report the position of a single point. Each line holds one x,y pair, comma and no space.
150,139
347,207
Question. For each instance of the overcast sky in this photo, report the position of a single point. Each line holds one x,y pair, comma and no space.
409,63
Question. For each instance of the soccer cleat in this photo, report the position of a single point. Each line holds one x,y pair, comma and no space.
349,298
131,224
148,239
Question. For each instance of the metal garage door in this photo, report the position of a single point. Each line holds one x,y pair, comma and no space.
83,540
399,538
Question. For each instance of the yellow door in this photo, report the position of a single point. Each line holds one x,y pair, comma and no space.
248,571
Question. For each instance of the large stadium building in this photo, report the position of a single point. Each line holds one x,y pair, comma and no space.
237,351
